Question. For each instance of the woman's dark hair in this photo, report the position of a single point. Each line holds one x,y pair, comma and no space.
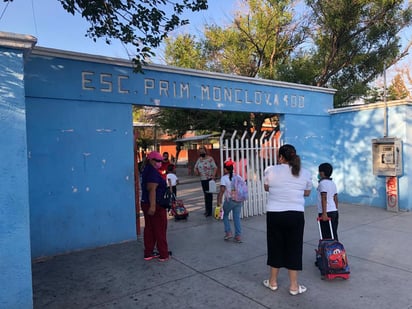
229,168
288,152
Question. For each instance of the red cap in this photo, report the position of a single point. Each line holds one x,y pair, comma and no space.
155,155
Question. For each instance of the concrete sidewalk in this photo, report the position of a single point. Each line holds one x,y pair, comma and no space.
207,272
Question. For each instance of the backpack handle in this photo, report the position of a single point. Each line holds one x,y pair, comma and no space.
330,226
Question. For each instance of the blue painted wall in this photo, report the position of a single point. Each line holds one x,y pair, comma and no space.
114,81
15,259
81,174
406,181
352,134
311,138
80,136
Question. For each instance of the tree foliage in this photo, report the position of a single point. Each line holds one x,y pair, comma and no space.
177,121
260,37
272,31
352,42
339,44
141,23
398,90
146,129
185,52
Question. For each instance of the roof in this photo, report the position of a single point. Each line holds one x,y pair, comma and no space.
194,138
142,124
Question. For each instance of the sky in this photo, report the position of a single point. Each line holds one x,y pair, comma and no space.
56,28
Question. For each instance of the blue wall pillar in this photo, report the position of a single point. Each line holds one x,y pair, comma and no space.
15,258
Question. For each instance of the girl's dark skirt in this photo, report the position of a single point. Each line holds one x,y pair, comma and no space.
285,239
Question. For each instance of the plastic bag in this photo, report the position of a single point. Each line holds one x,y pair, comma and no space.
218,215
212,186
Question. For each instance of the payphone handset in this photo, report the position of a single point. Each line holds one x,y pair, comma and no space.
387,156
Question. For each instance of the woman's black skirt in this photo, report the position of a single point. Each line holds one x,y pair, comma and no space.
285,239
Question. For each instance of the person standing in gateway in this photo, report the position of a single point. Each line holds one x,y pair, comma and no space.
155,216
206,168
287,183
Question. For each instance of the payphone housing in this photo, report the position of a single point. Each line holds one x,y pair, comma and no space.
387,156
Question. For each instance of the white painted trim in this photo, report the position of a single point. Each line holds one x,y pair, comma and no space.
50,52
370,106
17,41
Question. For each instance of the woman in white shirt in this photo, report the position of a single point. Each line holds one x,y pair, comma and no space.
287,184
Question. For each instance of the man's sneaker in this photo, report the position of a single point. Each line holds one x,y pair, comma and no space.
154,255
228,236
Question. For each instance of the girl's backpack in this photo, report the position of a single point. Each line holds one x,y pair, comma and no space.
239,192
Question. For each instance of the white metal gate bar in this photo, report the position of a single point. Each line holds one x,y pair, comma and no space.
251,155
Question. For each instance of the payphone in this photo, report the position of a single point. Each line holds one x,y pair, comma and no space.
387,161
387,156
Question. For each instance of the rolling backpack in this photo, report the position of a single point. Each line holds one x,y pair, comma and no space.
178,209
331,257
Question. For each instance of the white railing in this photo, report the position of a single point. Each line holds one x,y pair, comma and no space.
252,155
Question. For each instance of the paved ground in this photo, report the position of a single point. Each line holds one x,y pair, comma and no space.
207,272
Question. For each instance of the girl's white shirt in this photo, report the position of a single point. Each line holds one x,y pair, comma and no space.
227,183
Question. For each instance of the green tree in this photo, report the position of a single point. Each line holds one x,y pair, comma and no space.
260,37
184,52
177,121
374,94
263,35
141,23
142,116
398,90
352,42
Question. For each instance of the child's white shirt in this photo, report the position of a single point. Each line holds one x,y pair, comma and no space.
173,179
328,186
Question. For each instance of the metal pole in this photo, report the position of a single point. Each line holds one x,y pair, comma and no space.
385,113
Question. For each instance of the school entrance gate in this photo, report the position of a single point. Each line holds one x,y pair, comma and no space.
67,144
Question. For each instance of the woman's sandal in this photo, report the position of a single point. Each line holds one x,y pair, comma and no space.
267,284
301,289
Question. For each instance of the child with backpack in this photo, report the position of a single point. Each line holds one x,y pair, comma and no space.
171,179
234,191
331,258
327,201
